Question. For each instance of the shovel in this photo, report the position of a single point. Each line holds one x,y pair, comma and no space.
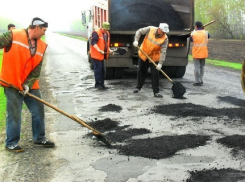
95,132
178,89
119,51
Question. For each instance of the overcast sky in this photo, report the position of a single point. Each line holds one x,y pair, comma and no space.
58,13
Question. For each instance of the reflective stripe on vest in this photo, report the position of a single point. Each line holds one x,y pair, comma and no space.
200,44
152,46
21,44
18,63
101,44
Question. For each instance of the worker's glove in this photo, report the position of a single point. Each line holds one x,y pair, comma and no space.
135,43
25,90
102,52
159,67
112,53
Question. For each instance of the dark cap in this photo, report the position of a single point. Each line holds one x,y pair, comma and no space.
39,21
198,24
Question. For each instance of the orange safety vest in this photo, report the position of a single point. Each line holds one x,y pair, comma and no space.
152,46
101,44
18,63
200,44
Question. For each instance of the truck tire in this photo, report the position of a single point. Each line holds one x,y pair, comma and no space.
169,70
180,71
118,73
109,73
91,65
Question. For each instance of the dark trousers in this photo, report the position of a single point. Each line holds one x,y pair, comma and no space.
99,73
142,73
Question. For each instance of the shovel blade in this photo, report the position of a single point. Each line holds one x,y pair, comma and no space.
178,90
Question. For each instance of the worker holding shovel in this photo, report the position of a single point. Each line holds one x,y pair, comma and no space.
155,46
199,37
100,43
21,67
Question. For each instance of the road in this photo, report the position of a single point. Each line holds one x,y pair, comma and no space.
165,139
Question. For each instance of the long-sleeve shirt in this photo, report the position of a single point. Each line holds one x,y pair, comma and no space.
144,31
6,41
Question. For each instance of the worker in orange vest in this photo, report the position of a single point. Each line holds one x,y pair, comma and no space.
199,37
243,76
155,45
99,50
21,67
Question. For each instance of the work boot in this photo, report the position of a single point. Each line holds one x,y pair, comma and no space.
104,87
158,95
136,90
14,148
197,84
45,143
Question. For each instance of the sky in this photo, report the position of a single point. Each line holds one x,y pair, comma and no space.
58,13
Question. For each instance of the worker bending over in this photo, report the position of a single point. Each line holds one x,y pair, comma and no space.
155,46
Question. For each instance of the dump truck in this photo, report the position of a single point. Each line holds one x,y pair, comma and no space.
127,16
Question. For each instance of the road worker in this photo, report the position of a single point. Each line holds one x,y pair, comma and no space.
21,67
99,50
199,37
155,45
243,76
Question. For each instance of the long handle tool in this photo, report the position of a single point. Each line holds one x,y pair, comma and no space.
208,23
119,51
95,132
178,89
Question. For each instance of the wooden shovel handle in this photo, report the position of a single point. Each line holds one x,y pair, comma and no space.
208,23
83,123
155,64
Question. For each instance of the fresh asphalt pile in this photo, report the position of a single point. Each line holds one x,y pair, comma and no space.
166,146
224,175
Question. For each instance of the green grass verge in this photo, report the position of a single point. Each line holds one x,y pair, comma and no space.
236,66
73,36
2,101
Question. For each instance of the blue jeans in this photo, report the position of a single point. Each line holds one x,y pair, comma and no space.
13,120
99,73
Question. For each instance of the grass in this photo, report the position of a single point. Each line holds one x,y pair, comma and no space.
236,66
2,101
73,36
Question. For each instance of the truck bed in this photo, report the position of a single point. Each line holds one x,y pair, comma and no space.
130,15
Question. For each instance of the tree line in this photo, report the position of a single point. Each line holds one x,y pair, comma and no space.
4,24
229,16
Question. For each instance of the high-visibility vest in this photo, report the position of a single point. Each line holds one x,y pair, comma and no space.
18,63
200,44
101,44
152,46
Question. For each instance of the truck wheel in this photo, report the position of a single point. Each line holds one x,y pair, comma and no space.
119,72
108,73
169,70
91,65
180,71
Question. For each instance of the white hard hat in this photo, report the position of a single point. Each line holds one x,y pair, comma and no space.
164,27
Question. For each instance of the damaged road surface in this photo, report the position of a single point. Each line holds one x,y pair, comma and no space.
200,138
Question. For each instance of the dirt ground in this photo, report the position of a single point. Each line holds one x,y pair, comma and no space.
226,50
